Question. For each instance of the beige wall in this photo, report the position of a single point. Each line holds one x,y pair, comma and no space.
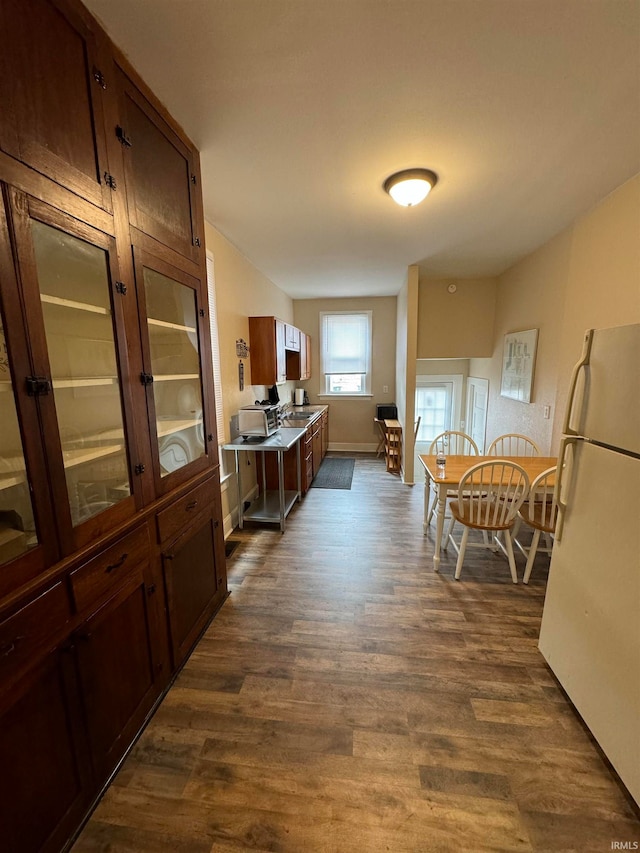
588,276
442,367
456,325
241,291
351,424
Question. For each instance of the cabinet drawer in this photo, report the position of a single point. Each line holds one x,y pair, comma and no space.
105,573
32,630
175,517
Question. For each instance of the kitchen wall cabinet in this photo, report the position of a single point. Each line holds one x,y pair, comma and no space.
291,338
267,351
53,83
305,356
299,362
161,174
278,352
111,549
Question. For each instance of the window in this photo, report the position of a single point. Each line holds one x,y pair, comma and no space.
345,345
438,405
215,348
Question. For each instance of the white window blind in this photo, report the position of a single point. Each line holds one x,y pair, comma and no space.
215,348
346,343
346,352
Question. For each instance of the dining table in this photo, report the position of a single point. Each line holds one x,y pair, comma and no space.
448,479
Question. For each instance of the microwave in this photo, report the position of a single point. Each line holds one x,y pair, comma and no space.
258,420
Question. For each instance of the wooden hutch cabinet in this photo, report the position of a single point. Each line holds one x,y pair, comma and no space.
111,547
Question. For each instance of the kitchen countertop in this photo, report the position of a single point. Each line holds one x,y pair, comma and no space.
283,439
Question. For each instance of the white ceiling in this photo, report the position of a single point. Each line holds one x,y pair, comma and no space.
528,110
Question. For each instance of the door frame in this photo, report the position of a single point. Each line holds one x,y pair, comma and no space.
476,381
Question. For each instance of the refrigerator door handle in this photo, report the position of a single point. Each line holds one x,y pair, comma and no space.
584,360
563,476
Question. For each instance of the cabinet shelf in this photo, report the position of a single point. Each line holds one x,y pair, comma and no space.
171,426
77,306
170,377
6,386
85,382
164,324
7,481
82,455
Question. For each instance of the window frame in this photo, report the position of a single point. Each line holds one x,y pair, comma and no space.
325,390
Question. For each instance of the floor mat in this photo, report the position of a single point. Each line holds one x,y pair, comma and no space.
334,473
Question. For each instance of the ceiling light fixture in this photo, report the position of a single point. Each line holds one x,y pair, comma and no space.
410,186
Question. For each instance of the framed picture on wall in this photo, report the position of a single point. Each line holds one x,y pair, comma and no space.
518,362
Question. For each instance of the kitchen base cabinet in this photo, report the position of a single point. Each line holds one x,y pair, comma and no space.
195,577
312,450
117,674
45,766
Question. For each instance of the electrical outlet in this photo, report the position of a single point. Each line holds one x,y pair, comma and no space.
547,412
385,389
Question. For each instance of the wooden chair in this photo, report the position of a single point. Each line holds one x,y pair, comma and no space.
513,444
416,427
489,497
454,443
539,511
382,435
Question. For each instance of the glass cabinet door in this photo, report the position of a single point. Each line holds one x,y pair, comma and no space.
17,524
174,353
75,295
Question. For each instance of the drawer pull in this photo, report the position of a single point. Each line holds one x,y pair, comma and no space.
9,648
191,505
117,565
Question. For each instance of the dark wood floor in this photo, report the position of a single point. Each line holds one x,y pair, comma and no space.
347,699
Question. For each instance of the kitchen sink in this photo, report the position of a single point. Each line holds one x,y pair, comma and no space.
298,416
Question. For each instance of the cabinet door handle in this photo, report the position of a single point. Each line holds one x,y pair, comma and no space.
191,505
117,565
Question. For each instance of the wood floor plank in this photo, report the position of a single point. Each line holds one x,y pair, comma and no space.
347,699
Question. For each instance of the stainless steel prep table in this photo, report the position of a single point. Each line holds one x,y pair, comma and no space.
270,506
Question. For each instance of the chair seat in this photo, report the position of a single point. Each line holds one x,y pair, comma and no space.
540,515
461,511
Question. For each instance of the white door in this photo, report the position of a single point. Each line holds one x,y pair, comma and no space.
438,403
590,635
476,417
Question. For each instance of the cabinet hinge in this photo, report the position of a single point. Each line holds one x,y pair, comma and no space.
194,180
139,469
210,436
146,378
38,386
122,137
201,312
99,77
121,287
110,181
196,242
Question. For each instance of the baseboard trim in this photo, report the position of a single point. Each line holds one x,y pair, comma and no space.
353,448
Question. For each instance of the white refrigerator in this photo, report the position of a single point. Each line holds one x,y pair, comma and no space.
590,632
